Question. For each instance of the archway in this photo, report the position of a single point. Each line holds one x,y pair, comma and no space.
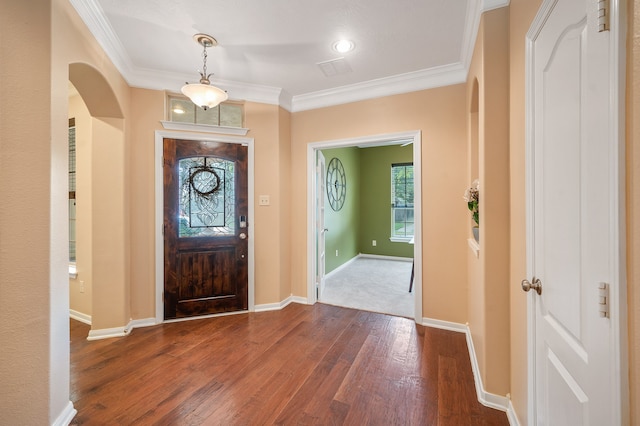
102,205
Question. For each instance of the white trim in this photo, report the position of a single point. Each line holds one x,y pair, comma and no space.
204,128
400,239
264,307
485,398
474,246
79,316
414,135
159,203
384,257
65,416
107,333
511,415
141,323
444,325
402,83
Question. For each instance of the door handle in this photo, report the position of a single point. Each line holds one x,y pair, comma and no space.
536,285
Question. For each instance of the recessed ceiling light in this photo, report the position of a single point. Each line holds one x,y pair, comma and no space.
343,46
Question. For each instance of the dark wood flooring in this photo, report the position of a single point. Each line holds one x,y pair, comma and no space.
303,365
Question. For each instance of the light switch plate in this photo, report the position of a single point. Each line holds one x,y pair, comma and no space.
263,200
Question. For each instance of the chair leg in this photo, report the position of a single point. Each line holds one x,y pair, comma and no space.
413,264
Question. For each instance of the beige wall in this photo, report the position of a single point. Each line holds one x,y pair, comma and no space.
440,115
149,107
81,301
25,214
488,287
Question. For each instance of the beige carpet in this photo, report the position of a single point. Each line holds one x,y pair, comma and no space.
376,285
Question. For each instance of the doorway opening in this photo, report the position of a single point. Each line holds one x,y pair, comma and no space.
315,201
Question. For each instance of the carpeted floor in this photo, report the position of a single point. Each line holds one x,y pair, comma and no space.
376,285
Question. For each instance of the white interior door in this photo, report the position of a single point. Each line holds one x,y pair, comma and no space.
571,216
320,226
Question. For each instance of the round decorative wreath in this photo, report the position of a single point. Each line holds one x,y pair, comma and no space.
204,169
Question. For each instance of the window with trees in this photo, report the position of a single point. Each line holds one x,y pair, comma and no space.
402,219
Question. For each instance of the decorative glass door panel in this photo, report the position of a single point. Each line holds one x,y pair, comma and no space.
207,197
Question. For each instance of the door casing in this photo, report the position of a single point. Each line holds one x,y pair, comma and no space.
160,135
415,137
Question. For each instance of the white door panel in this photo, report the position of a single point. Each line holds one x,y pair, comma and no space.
569,191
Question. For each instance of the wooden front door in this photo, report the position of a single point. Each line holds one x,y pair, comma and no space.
205,228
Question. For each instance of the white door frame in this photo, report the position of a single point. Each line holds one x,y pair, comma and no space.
618,288
369,141
160,135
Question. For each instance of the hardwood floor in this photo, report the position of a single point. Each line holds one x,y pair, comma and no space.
303,365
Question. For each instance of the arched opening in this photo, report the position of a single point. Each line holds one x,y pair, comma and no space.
102,282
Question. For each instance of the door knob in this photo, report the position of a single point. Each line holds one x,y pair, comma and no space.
536,285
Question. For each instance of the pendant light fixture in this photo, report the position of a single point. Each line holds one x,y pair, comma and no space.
204,94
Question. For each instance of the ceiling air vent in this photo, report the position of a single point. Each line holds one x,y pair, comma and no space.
334,67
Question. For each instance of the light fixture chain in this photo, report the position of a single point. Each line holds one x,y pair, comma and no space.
204,60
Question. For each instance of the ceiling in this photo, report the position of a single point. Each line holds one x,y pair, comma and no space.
269,51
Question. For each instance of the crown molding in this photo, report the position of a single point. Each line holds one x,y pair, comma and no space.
92,15
394,85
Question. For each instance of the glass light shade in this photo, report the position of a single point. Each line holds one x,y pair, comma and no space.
204,95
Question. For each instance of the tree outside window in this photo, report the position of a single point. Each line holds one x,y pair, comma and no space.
402,219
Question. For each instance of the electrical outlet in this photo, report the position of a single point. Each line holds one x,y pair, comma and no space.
374,243
336,253
81,286
264,200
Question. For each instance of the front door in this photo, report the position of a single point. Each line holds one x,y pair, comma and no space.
205,228
572,206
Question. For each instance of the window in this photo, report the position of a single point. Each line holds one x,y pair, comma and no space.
72,190
402,202
227,114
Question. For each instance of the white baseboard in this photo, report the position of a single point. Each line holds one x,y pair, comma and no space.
487,399
107,333
445,325
65,417
79,316
144,322
280,305
512,416
383,257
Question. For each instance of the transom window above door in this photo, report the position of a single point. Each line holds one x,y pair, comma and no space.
227,114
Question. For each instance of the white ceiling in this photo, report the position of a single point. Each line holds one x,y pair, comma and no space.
269,50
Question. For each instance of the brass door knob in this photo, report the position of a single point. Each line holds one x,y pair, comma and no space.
536,285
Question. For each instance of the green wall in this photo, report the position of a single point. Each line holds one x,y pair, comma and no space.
343,224
375,199
366,214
